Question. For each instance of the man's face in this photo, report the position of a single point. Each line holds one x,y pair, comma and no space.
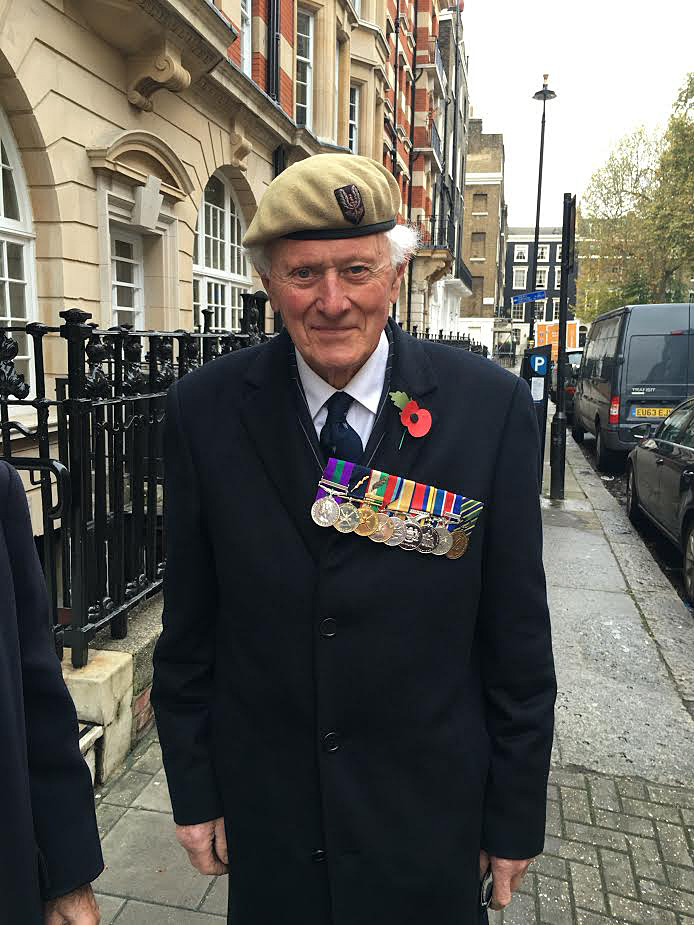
333,297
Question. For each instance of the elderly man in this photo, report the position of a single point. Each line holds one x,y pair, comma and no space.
356,722
50,845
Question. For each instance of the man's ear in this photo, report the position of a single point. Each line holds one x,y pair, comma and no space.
397,282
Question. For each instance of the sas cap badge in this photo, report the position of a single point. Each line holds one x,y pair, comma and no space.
350,202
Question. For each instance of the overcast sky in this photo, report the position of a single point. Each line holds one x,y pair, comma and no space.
614,65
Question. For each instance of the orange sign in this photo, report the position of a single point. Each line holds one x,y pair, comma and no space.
548,333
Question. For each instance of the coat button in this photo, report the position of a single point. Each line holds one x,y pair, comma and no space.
331,742
318,856
328,627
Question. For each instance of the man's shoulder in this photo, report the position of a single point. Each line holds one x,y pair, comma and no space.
226,371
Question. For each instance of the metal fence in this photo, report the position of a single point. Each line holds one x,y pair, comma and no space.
91,441
454,340
95,452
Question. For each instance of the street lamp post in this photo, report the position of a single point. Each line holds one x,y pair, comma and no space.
544,94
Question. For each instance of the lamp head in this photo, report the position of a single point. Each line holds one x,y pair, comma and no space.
545,93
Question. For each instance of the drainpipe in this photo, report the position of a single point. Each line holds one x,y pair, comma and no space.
417,75
273,49
394,153
454,158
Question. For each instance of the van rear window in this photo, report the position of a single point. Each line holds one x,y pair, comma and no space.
657,359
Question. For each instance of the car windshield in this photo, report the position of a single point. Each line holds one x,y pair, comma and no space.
657,359
574,357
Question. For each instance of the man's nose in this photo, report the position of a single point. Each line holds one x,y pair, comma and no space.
331,296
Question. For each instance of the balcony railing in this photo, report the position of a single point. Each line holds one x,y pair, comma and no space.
436,59
437,232
436,142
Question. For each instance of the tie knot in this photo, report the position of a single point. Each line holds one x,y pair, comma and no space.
338,406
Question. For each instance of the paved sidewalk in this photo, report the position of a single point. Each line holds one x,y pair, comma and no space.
620,821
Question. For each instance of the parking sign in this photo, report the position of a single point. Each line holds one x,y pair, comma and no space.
538,364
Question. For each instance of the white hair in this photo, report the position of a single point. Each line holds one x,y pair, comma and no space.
403,241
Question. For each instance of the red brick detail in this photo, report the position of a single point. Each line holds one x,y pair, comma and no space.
287,20
427,205
234,50
421,103
421,137
286,93
417,197
259,70
259,8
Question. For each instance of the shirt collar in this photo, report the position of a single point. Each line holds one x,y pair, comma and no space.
365,387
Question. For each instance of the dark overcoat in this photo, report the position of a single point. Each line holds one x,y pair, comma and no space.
363,717
49,844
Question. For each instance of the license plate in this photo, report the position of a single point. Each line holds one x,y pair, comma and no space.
650,412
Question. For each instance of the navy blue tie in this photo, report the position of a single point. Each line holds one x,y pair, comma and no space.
338,438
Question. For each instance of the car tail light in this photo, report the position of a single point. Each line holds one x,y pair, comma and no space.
571,390
614,410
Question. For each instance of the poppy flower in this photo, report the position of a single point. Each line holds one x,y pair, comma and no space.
417,420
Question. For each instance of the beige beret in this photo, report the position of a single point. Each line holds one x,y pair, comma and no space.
326,196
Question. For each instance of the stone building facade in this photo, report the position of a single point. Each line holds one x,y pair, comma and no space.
484,240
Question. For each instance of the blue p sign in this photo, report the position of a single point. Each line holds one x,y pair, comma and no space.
538,364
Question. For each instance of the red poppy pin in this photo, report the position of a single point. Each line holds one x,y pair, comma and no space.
414,419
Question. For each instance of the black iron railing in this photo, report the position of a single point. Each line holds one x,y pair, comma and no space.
95,452
436,142
454,340
437,232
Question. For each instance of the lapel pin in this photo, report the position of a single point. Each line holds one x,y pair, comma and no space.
414,419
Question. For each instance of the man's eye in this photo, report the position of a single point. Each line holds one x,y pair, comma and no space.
357,269
303,273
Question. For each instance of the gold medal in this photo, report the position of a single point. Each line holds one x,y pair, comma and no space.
368,521
348,520
460,544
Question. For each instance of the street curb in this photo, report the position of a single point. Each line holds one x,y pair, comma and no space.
665,617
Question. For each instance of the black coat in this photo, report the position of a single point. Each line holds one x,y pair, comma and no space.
49,844
437,676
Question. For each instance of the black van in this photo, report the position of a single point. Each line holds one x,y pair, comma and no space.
638,364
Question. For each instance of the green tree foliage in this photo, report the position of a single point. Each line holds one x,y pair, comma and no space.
636,221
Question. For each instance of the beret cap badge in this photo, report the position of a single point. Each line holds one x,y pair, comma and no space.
350,202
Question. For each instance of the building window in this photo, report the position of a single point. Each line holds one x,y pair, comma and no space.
220,269
245,37
354,120
520,275
518,312
127,303
557,277
479,204
541,310
16,251
543,253
558,257
541,277
516,335
555,303
479,243
304,68
521,253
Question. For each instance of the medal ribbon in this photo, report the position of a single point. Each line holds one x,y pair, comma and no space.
403,502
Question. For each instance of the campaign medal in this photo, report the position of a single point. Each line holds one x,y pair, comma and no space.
460,544
348,521
398,534
413,535
445,541
429,540
368,521
385,529
325,512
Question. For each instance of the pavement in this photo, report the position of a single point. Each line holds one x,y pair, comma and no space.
620,810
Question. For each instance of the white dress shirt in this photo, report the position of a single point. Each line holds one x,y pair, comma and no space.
365,388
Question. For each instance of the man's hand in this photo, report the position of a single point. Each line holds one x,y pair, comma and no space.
76,908
507,877
206,844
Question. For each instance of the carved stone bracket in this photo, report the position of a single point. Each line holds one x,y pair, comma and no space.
158,69
241,147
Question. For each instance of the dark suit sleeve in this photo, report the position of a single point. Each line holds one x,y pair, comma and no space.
62,799
515,645
184,655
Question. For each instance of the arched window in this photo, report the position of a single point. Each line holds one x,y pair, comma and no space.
582,335
17,273
220,269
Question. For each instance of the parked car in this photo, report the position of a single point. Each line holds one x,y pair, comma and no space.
660,482
638,364
573,362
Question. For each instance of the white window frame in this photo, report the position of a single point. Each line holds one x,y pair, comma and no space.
524,271
557,277
354,105
246,50
541,273
558,255
336,93
209,279
309,66
518,312
520,253
543,253
20,232
555,308
137,311
540,309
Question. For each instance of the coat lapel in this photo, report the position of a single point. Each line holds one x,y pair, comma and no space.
412,373
270,414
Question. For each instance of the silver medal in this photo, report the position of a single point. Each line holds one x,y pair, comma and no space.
399,530
348,519
445,541
429,541
325,512
413,536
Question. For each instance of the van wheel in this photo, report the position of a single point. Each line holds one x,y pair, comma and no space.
603,456
577,432
633,509
688,562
